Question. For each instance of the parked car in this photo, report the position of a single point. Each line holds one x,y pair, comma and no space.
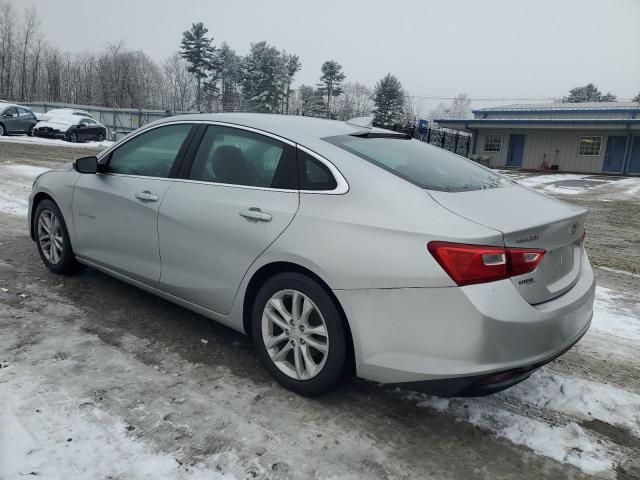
72,128
62,112
336,246
16,119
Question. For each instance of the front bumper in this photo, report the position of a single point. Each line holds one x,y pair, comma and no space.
414,335
49,133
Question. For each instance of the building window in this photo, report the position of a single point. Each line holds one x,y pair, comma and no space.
492,143
590,146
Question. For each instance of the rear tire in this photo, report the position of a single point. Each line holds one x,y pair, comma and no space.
73,137
304,347
52,239
2,130
100,137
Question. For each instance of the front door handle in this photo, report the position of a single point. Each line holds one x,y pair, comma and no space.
254,213
147,196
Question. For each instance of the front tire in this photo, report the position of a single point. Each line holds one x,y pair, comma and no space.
52,239
299,334
2,130
73,137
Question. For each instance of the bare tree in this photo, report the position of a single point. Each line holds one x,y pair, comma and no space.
30,27
460,107
7,26
180,80
356,100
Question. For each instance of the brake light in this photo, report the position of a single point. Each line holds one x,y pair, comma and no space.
469,264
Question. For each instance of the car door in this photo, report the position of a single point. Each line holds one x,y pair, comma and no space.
10,120
115,211
26,119
82,130
237,194
92,129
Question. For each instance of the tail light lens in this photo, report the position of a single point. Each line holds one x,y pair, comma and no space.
469,264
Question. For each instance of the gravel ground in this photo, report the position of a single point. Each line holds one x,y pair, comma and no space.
130,386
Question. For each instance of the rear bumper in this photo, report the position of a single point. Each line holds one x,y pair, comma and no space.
415,335
486,384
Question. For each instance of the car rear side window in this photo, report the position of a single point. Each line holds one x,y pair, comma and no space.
422,164
313,174
150,154
239,157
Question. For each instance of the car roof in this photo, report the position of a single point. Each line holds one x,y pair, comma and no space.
296,128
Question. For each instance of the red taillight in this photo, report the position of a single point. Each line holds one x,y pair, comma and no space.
469,264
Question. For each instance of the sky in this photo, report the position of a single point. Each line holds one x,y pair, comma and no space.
491,49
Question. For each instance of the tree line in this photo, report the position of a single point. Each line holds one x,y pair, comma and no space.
201,76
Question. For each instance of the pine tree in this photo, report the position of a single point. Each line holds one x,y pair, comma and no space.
293,65
197,49
264,74
388,100
228,71
588,93
330,82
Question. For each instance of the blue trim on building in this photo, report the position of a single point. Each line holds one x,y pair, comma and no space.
543,121
558,110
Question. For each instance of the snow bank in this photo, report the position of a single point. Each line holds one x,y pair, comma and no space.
609,318
55,142
15,187
55,439
567,443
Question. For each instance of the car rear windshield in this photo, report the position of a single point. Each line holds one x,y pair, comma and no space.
422,164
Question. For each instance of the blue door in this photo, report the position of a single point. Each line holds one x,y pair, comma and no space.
634,160
516,149
614,156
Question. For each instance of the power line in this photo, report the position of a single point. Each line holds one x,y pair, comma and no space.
501,99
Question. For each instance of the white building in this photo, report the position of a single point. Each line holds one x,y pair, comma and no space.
572,137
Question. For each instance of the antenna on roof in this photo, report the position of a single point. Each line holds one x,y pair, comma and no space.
365,122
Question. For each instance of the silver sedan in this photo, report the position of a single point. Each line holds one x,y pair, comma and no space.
341,249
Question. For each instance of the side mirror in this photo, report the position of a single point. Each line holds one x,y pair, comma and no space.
86,164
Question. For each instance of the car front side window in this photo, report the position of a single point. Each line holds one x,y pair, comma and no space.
149,154
240,157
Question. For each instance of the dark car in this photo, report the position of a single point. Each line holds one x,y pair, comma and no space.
72,128
16,119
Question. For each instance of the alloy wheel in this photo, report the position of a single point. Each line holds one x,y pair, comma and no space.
295,334
1,130
50,236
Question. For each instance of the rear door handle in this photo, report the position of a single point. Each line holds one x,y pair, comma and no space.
147,196
254,213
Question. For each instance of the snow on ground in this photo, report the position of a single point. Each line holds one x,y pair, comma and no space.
51,424
53,141
15,187
611,319
574,183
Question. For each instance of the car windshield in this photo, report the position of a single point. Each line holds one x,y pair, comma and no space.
422,164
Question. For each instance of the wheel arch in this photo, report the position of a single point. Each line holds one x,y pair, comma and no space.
38,197
267,271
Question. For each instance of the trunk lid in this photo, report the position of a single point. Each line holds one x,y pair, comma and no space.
528,219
